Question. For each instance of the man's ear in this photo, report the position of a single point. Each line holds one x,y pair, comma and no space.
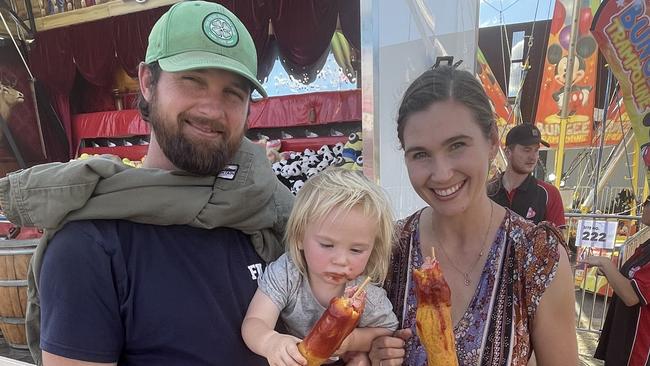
144,78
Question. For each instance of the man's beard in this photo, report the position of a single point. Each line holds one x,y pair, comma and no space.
202,157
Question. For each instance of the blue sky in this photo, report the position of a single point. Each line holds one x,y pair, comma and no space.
496,12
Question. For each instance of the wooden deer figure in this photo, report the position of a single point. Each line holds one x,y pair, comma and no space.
9,97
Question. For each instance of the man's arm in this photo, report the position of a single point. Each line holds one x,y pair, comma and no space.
80,309
622,286
54,360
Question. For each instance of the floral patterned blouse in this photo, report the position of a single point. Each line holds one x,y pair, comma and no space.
495,329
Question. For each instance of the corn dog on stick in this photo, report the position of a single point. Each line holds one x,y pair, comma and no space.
336,323
433,316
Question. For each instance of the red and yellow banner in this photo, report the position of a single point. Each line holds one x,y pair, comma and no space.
622,30
580,103
618,121
500,105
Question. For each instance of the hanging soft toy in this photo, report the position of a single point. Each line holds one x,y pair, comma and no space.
353,147
352,151
358,164
353,165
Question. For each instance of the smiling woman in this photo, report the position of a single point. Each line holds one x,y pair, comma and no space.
489,255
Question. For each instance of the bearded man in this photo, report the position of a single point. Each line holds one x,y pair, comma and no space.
156,266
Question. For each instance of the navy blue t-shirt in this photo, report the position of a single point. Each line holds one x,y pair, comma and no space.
117,291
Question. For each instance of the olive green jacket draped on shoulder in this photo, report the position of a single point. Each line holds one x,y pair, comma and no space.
50,195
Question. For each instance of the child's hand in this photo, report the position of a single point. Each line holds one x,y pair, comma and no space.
282,350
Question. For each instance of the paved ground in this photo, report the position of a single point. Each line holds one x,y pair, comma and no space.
588,326
586,346
16,354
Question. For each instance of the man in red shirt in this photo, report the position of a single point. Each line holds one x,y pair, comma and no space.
517,189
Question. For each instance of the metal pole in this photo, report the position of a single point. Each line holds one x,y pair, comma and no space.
559,156
635,175
599,157
602,216
12,143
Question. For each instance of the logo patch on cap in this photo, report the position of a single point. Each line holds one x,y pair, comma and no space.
220,30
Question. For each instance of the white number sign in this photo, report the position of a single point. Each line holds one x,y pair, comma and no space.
596,233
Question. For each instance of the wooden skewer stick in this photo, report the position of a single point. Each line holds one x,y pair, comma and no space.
433,253
361,286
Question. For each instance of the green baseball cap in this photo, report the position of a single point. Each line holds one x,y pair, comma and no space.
199,35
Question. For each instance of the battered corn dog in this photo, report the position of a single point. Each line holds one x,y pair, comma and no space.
336,323
433,316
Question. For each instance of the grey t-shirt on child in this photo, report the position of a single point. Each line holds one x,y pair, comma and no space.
299,310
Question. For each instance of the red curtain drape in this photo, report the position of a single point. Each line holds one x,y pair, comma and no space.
306,74
86,97
350,20
61,104
130,37
265,65
255,15
302,28
52,63
51,60
94,54
316,22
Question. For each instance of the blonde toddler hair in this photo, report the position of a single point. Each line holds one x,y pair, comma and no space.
337,188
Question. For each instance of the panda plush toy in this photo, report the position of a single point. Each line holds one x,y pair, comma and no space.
296,167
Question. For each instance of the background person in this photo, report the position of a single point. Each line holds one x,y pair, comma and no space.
516,189
625,337
156,266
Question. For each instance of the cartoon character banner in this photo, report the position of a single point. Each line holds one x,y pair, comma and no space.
497,98
622,30
580,104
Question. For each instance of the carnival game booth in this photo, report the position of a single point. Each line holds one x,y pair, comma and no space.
89,67
84,56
